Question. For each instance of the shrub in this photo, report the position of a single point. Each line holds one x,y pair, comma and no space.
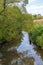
10,24
36,34
40,41
27,22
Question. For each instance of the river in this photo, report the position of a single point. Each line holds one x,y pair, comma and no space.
22,54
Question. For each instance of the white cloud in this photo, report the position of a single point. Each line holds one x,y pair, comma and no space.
35,9
30,1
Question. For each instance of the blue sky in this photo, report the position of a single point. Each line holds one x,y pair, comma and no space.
35,7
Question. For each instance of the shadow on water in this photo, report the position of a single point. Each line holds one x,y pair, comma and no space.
24,54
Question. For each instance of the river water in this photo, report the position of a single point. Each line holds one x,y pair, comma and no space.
22,54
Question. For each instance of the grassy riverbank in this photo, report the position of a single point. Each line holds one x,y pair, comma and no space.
35,29
12,22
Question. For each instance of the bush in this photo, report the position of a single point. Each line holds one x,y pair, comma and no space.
36,34
10,24
40,41
27,22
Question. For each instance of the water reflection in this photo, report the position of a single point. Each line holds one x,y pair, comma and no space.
26,46
24,54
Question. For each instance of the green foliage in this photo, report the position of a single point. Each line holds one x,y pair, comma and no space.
10,24
37,16
40,41
27,22
25,1
12,21
1,5
14,1
36,34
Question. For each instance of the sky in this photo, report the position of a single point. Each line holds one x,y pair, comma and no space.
35,7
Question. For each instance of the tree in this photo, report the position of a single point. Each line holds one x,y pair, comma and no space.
4,4
24,2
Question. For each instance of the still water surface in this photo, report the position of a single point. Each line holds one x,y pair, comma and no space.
22,54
